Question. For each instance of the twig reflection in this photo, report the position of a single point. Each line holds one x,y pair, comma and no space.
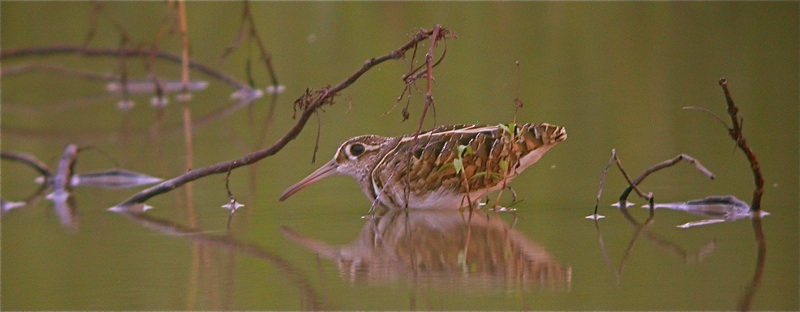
746,300
643,228
308,293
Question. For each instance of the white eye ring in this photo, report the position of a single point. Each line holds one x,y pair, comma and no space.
355,150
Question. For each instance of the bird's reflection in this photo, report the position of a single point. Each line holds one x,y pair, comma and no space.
442,247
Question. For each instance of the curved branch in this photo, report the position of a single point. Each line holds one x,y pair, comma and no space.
309,102
735,133
122,52
662,165
707,111
29,160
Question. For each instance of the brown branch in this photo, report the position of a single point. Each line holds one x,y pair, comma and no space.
165,24
29,160
439,33
429,77
310,102
735,133
266,57
633,184
247,28
232,204
112,52
7,71
94,16
185,96
602,180
316,141
125,102
184,28
239,36
409,81
188,135
36,164
662,165
424,70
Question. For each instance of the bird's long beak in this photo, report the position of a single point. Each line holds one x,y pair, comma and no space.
325,171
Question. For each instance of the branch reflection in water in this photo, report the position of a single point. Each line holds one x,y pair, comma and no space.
746,299
311,299
445,248
721,208
643,228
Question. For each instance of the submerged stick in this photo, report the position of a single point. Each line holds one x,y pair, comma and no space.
309,102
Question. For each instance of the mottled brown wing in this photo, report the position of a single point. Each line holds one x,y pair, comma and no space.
428,162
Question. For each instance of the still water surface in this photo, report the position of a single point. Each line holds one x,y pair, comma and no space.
616,75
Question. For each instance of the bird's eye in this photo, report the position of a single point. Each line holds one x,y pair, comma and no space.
357,149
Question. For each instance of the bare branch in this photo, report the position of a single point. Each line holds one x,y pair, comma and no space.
94,15
6,54
603,179
310,102
662,165
248,30
735,133
29,160
184,45
633,184
703,109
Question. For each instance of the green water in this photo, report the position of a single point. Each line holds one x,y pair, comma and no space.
615,74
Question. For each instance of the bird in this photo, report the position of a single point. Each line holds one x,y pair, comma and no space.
446,167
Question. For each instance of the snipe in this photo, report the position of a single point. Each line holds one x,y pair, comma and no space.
438,168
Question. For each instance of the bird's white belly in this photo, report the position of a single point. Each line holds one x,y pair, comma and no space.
440,199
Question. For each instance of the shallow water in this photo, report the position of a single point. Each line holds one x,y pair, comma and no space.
616,75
